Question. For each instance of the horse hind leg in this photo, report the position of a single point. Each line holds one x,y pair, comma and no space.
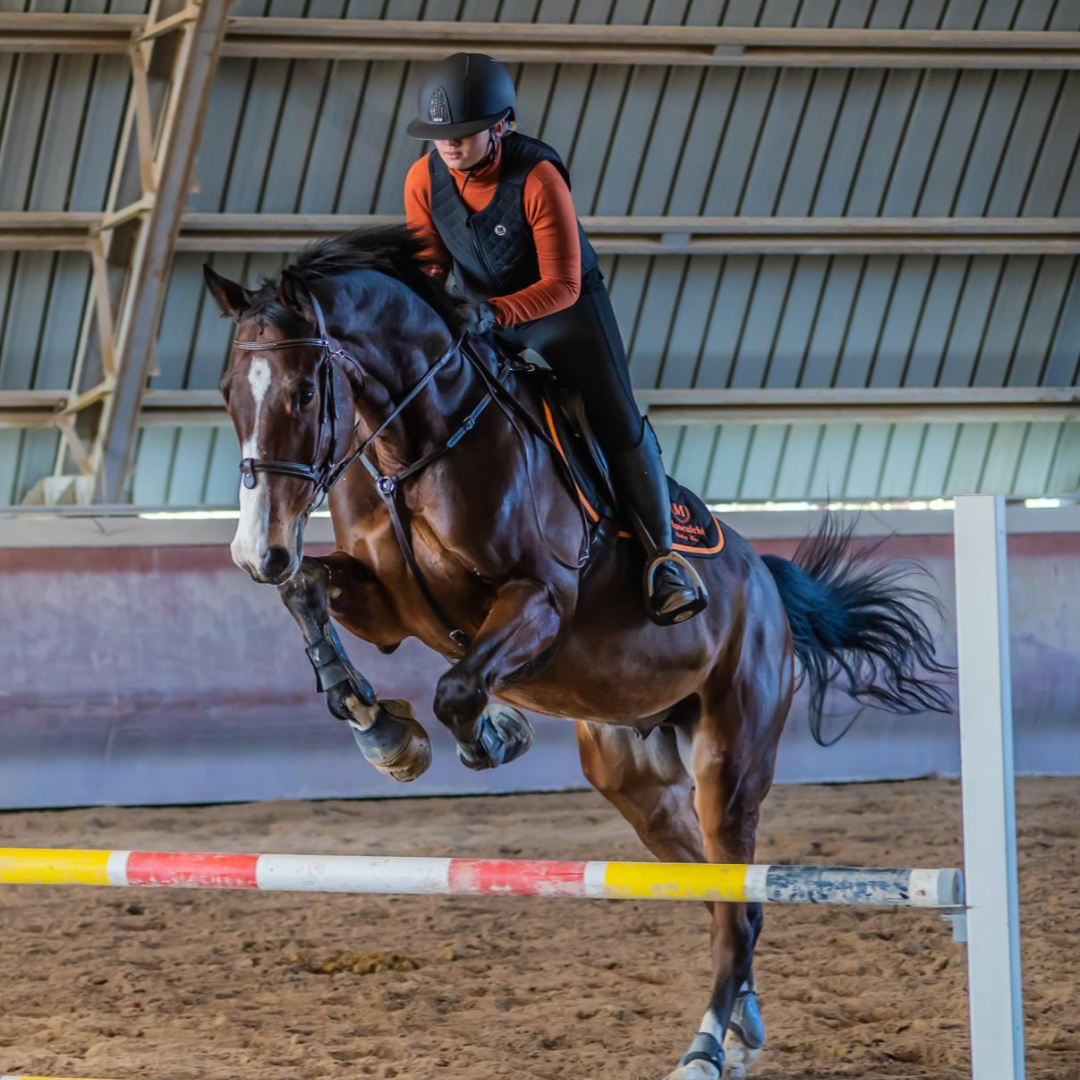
647,782
386,731
733,753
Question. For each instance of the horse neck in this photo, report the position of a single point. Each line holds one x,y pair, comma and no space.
430,417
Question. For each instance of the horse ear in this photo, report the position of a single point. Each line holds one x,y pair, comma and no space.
294,296
231,298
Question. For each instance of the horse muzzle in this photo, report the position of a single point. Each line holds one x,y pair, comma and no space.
276,566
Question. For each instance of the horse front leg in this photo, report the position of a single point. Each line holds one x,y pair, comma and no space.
521,626
387,732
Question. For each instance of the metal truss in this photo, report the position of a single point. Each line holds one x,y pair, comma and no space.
174,54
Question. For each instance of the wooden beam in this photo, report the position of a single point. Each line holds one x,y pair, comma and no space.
724,46
858,405
46,230
49,408
67,32
144,296
562,43
176,407
646,235
639,235
173,22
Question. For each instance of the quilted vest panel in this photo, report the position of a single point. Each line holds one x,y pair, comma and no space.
493,250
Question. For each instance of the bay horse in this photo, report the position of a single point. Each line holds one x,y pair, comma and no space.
351,376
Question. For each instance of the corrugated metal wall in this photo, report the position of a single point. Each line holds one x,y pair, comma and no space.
321,137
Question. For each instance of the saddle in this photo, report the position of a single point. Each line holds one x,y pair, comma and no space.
697,534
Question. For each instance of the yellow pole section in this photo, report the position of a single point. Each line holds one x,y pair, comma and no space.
53,866
651,881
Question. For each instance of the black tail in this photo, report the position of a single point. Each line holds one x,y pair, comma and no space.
854,620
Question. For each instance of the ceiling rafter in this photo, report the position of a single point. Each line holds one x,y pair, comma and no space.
610,235
393,39
49,408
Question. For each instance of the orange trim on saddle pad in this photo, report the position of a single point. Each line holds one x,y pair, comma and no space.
690,549
622,534
566,461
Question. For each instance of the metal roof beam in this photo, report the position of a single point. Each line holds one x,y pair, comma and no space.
68,32
50,408
723,46
640,235
859,405
401,39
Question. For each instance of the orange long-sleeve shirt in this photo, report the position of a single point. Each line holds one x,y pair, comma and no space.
549,210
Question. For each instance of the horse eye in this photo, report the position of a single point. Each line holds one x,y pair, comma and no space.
305,394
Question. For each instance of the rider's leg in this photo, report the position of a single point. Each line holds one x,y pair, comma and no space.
583,346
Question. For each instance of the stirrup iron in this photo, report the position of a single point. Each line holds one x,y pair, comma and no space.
687,610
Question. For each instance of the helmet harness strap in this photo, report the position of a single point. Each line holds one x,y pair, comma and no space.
488,158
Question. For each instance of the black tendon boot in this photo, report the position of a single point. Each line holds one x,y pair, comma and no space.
673,590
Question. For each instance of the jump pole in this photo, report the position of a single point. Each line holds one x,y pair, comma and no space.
851,886
987,781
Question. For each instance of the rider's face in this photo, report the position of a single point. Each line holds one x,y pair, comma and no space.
467,152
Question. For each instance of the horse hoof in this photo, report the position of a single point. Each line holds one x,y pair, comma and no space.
503,735
695,1070
394,743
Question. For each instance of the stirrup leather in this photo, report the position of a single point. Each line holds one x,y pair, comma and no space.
687,610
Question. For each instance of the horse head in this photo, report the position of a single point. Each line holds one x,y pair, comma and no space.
310,379
292,407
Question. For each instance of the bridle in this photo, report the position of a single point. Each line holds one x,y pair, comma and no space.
326,470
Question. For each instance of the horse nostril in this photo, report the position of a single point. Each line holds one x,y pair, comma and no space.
274,563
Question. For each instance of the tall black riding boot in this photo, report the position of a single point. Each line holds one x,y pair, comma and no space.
673,590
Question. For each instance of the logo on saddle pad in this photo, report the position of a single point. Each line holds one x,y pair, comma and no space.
680,513
438,107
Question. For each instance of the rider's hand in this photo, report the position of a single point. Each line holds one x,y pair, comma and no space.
480,318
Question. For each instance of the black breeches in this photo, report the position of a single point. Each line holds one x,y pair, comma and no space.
583,346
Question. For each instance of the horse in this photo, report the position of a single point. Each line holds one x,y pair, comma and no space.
353,377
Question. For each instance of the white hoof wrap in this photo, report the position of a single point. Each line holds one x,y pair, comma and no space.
696,1070
738,1057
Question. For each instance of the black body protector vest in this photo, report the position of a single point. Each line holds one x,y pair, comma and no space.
494,251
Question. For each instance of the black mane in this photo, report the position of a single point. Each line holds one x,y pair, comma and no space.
393,250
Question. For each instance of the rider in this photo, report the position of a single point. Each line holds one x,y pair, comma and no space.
494,206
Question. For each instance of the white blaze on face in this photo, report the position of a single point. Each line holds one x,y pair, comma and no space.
252,533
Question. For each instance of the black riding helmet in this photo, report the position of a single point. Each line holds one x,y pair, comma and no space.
466,93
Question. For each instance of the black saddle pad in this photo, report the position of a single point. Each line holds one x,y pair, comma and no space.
696,532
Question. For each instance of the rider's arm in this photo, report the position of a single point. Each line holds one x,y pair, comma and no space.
437,260
549,210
